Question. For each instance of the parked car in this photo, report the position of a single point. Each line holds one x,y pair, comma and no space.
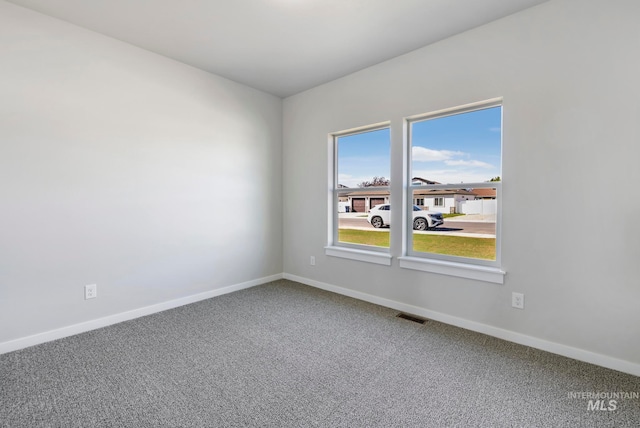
422,220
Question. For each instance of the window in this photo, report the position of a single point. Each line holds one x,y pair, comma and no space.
455,159
360,175
419,202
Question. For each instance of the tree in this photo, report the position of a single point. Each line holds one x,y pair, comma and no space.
377,181
495,178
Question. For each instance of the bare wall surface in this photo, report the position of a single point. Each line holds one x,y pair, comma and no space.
568,72
120,167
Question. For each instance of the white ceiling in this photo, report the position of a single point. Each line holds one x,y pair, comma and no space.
279,46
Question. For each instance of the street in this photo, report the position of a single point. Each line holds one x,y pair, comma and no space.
454,227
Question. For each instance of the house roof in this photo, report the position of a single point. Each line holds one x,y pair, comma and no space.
427,192
485,192
416,192
368,193
442,192
423,180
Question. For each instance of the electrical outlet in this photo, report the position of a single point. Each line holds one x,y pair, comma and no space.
312,261
90,291
517,300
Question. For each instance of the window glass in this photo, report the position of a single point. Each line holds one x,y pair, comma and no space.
455,169
363,159
468,227
362,176
459,148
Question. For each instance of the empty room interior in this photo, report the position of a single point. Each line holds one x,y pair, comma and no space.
197,198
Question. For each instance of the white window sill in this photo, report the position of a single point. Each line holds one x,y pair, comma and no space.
360,255
463,270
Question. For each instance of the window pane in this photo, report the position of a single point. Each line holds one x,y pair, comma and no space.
364,159
356,218
362,171
456,222
461,148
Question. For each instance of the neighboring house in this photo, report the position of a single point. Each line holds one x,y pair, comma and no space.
461,201
443,200
485,203
343,201
453,200
485,193
362,202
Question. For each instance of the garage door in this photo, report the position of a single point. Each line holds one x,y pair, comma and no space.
357,205
375,201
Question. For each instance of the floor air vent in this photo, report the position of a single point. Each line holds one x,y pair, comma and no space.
411,318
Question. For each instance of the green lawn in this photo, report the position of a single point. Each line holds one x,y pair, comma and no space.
477,248
365,237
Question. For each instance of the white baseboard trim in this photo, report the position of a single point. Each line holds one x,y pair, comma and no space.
59,333
511,336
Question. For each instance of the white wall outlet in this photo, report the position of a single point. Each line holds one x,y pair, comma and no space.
517,300
312,260
90,291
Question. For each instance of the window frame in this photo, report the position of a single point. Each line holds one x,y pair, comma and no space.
361,252
485,270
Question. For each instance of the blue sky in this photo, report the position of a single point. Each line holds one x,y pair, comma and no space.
363,156
453,149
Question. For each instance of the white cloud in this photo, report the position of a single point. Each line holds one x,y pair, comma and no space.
423,154
347,180
454,176
352,181
470,163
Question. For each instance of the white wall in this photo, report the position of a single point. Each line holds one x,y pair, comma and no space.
568,72
123,168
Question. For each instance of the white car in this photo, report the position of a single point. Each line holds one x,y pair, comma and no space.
422,220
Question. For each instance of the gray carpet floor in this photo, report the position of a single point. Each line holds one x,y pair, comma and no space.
287,355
